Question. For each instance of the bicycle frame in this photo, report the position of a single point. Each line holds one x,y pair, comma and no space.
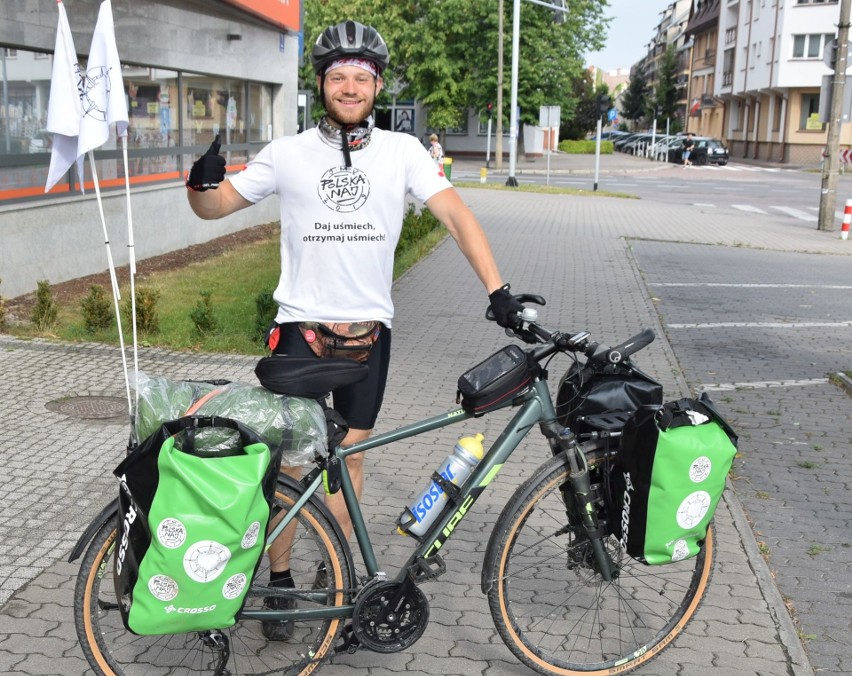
536,407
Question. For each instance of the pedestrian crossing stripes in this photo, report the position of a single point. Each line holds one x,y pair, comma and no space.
761,384
798,214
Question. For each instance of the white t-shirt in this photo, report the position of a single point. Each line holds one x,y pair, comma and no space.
339,226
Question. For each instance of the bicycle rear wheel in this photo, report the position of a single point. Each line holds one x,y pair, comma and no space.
240,649
557,614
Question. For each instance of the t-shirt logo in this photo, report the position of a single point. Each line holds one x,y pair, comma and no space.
344,189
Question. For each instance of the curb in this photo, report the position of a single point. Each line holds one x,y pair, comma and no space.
845,382
788,635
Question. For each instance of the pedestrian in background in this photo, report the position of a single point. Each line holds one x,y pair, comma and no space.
436,151
688,144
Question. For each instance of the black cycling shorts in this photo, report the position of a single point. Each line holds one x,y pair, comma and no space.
359,403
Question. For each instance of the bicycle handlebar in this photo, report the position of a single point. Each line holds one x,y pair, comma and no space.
529,330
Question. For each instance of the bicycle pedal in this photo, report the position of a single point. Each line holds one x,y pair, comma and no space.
348,641
428,569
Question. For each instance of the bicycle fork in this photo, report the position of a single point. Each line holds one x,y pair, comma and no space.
562,440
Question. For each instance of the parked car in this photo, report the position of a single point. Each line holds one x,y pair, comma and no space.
633,143
706,150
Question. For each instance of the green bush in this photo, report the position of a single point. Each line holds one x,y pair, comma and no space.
46,310
147,315
202,316
586,147
96,309
266,308
415,226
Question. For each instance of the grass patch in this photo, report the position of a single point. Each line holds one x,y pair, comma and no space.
212,305
543,189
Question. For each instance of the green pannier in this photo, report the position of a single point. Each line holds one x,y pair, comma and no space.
670,473
192,525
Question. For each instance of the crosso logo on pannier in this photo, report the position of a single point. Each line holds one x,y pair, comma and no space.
189,611
625,511
129,518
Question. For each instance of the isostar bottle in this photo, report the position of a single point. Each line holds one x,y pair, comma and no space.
418,517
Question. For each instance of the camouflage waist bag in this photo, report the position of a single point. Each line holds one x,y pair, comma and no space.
352,340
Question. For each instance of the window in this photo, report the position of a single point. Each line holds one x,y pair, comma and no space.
171,115
810,46
809,114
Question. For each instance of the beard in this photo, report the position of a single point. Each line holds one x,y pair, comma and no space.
346,115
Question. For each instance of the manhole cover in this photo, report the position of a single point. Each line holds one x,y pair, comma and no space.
89,408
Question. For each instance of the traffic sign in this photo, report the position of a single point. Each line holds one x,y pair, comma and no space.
611,114
829,55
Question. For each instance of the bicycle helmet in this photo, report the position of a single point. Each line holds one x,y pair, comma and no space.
349,39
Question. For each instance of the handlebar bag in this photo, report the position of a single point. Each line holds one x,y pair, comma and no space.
583,392
192,525
668,478
497,381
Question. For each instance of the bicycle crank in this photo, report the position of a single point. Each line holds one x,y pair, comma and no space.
390,616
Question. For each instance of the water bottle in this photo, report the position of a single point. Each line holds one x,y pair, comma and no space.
418,517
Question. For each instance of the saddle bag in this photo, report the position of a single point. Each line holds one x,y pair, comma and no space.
668,478
192,525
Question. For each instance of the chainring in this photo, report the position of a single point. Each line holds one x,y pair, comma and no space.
390,616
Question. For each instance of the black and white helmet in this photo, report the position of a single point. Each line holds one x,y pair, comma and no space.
349,39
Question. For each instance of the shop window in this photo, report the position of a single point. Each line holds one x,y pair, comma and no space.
170,115
809,114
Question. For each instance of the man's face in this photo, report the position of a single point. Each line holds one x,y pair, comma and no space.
350,94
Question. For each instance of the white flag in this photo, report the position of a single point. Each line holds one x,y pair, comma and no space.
63,111
102,94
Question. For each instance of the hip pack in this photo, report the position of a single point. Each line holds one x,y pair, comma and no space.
668,478
192,525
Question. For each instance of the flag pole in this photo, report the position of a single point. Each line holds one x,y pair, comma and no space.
131,255
115,292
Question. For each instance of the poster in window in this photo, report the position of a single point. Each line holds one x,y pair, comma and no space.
404,120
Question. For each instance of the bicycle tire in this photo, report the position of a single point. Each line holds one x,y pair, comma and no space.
111,649
557,614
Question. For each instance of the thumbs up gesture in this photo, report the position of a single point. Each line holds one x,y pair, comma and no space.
208,171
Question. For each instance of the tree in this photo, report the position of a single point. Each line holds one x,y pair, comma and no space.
635,100
665,97
583,117
444,52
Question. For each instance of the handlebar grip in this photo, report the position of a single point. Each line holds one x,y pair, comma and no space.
630,346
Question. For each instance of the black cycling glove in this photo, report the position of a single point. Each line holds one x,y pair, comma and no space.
504,306
208,170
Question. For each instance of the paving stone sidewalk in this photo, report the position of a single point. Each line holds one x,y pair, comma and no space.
570,249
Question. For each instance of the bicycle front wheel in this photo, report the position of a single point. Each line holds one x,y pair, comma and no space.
554,610
237,650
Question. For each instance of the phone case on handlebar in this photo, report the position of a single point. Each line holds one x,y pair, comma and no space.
496,381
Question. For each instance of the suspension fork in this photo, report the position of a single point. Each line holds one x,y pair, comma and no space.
562,440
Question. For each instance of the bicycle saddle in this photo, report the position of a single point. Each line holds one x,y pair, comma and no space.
307,376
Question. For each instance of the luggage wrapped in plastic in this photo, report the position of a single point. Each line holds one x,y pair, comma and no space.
297,425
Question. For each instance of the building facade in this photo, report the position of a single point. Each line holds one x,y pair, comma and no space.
191,69
756,73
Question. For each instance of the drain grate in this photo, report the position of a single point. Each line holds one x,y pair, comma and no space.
89,408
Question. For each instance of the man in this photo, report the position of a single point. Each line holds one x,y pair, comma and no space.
688,144
342,189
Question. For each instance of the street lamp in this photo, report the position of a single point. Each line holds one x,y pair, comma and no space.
513,114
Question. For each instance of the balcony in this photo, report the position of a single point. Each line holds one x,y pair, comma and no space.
709,57
708,101
728,78
731,36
